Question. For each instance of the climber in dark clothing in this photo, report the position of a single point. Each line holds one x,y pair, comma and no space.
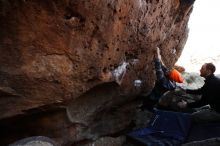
210,92
163,83
166,81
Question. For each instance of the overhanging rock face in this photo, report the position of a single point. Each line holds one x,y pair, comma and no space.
54,53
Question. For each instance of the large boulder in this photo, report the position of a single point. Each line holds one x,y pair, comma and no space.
54,53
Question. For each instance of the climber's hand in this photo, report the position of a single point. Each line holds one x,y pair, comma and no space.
157,54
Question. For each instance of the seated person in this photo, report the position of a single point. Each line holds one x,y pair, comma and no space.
210,92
